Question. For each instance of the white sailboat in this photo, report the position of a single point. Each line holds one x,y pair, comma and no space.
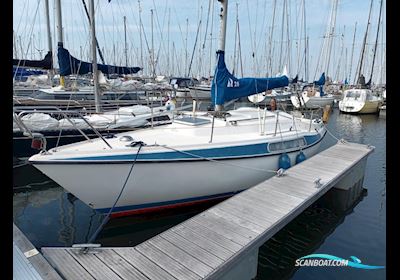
199,157
360,101
312,101
312,98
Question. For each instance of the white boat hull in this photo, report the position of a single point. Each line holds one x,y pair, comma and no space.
200,92
162,184
367,107
360,101
312,102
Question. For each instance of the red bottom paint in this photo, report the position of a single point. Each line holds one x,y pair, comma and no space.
166,207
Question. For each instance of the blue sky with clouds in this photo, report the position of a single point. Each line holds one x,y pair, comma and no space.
175,27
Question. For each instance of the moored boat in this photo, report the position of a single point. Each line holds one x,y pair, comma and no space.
198,157
176,164
360,101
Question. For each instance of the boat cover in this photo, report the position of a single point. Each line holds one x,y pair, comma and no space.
226,87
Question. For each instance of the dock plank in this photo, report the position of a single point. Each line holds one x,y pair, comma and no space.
166,262
206,244
238,220
257,208
180,255
247,211
192,249
248,215
119,265
68,267
143,264
228,223
216,237
224,228
93,265
39,263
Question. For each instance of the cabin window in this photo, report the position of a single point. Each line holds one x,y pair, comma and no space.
353,94
286,145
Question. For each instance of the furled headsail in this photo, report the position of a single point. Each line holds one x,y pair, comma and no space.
45,63
321,83
321,80
226,87
71,65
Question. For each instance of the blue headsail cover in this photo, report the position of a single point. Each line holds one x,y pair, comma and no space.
321,83
226,87
321,80
71,65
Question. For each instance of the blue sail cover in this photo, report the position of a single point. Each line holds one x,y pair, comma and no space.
321,83
45,63
321,80
226,87
71,65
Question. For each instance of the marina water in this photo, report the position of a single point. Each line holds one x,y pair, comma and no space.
51,217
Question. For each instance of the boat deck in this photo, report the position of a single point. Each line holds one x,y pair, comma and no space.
214,243
243,125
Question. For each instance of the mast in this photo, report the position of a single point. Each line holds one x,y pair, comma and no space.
236,30
331,34
364,42
305,41
168,43
153,71
352,50
186,47
306,61
60,43
140,34
97,44
211,39
15,44
46,6
222,39
376,42
223,17
283,26
126,47
94,57
270,40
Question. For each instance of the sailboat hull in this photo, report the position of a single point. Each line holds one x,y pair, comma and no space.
156,185
311,102
360,101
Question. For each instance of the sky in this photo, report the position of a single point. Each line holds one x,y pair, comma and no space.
177,23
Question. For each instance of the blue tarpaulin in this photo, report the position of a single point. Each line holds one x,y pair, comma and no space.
71,65
226,87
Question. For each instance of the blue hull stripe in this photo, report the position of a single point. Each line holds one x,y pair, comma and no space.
214,153
165,203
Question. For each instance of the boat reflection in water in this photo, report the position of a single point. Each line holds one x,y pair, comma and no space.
307,232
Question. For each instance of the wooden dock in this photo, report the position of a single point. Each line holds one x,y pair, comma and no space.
221,242
28,263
